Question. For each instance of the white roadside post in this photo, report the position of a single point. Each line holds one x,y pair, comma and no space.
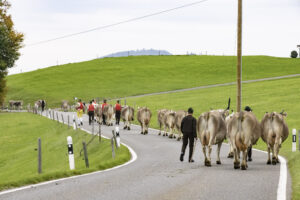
49,113
70,152
74,123
118,139
294,141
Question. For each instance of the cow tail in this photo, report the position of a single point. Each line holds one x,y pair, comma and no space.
240,128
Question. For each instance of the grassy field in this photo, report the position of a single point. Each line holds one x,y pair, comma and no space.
18,139
126,76
261,97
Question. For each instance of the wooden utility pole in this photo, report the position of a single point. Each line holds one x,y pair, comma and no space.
239,58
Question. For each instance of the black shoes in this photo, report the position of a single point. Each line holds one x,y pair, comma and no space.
181,157
249,159
191,160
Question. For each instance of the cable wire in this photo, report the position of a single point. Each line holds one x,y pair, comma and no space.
117,23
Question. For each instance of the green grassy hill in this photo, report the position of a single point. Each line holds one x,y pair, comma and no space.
126,76
18,139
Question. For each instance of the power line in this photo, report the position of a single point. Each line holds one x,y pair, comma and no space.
117,23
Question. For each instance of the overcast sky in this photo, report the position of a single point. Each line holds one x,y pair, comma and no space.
270,27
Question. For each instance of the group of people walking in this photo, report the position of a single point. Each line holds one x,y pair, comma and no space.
91,111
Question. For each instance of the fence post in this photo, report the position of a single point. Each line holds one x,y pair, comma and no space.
70,152
68,121
57,117
74,123
93,128
39,156
112,147
62,117
99,132
294,140
86,159
53,114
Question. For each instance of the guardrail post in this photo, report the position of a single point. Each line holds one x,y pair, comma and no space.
70,152
112,147
86,159
294,140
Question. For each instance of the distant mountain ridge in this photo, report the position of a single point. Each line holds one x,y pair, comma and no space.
143,52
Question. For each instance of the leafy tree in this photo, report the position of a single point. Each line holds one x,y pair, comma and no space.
10,43
294,54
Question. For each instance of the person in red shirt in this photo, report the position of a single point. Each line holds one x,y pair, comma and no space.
103,116
91,112
118,108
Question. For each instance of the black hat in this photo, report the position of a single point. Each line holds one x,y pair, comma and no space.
248,109
190,111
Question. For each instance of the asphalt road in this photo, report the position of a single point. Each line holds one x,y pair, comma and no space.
158,174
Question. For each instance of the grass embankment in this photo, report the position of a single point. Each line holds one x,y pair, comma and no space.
18,141
126,76
261,97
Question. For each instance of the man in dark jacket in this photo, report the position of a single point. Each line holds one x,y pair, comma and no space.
188,128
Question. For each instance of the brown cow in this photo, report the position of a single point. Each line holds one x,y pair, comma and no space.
178,118
98,113
127,115
144,117
274,133
244,130
160,118
65,105
108,112
211,129
169,123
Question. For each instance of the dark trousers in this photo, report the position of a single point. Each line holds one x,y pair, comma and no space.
91,116
103,118
118,116
188,138
43,107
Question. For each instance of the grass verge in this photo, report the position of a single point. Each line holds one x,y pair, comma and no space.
18,139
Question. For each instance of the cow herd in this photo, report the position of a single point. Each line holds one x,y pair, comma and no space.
241,129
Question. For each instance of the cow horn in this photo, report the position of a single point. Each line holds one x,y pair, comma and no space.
228,107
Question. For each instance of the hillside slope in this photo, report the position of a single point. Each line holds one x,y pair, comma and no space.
125,76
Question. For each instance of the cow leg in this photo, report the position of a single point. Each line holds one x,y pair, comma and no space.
128,125
159,129
165,130
236,162
273,156
244,162
269,156
230,153
218,153
204,153
171,132
125,125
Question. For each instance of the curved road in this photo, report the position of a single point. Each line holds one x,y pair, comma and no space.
158,174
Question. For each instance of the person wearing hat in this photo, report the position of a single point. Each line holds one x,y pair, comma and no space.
248,109
188,128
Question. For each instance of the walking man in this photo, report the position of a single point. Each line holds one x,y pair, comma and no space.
43,105
118,108
91,112
188,128
103,116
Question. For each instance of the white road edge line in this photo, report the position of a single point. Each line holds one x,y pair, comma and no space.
133,158
281,189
